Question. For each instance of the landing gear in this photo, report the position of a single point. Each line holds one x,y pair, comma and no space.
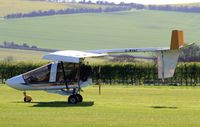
27,98
79,97
74,99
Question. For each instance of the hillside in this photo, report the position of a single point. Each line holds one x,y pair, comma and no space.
25,6
142,28
186,7
197,4
21,55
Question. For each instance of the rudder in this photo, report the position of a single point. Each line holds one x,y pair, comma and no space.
177,39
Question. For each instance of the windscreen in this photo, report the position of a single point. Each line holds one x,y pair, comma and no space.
73,73
39,75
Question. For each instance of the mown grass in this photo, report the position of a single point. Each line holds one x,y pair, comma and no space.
117,106
25,6
142,28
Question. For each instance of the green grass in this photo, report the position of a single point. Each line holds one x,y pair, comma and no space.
25,6
118,106
140,28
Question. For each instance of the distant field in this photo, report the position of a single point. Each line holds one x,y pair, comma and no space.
141,28
188,4
21,55
118,106
25,6
34,56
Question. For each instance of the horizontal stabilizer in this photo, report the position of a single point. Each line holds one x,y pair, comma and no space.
70,56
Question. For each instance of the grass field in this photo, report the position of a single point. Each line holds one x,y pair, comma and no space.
188,4
21,55
118,106
25,6
16,55
140,28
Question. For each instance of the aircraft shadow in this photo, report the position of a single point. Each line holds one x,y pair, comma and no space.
163,107
62,104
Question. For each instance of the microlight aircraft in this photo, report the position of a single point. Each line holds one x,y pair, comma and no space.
67,74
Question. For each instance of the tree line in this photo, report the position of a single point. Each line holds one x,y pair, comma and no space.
137,73
190,54
182,8
67,11
109,7
24,46
126,7
195,9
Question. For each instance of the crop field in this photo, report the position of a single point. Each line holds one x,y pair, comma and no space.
140,28
21,55
18,55
25,6
118,106
197,4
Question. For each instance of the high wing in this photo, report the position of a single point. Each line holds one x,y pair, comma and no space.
127,50
70,56
75,56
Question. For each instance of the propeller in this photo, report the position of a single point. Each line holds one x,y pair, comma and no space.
99,80
79,74
99,88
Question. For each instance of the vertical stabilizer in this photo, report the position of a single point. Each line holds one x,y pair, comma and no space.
177,39
168,59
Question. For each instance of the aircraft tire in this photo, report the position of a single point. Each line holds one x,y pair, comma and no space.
26,99
72,99
79,97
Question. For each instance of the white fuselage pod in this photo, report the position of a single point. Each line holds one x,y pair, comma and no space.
16,82
50,77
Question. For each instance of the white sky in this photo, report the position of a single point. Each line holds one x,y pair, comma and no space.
152,1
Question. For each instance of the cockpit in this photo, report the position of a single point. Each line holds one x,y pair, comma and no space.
58,73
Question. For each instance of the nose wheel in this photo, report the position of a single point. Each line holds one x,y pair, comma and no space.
27,98
74,99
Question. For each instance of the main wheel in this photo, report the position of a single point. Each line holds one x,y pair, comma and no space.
72,99
27,99
79,97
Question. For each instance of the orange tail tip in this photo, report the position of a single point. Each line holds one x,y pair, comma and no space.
177,39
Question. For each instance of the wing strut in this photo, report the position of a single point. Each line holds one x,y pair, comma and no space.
64,76
163,74
79,73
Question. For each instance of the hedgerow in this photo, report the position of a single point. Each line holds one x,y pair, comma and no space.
137,73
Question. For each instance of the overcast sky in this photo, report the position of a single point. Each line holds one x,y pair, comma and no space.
152,1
